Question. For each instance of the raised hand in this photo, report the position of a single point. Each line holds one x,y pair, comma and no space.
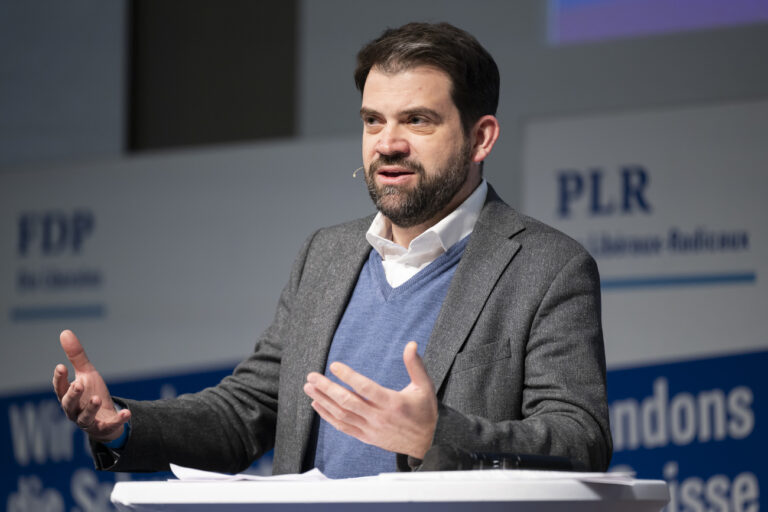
399,421
86,400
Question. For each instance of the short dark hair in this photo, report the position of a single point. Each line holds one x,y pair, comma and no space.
473,72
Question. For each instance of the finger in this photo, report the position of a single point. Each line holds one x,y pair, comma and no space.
331,407
363,386
344,398
75,351
112,428
60,383
415,366
341,426
88,415
70,402
124,416
115,421
318,396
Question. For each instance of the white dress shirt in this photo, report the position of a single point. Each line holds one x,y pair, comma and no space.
401,264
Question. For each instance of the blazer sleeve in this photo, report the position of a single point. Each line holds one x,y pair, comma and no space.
560,408
222,428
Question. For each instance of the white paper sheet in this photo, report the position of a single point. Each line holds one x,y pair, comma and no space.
187,474
620,478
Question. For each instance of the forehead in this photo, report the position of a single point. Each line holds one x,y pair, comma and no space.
416,86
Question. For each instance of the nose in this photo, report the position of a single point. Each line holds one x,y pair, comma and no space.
392,142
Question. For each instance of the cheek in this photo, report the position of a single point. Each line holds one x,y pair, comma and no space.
369,150
436,154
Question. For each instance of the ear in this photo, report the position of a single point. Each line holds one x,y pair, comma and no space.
484,134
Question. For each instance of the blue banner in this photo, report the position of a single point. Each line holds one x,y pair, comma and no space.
46,462
699,425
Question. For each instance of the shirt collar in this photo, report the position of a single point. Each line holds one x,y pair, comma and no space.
439,238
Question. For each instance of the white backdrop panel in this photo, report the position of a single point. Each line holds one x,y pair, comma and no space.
653,194
189,250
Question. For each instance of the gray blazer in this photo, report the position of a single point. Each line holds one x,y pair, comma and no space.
516,356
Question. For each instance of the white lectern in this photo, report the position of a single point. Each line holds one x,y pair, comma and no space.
478,491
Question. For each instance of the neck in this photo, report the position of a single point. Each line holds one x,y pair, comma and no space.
403,236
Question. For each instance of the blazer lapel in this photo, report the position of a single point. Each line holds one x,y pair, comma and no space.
489,251
342,274
349,254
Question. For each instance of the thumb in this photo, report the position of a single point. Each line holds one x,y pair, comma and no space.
75,351
415,366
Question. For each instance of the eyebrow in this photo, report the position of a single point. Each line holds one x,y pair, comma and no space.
423,111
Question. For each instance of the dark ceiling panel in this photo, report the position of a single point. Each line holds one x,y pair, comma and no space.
205,72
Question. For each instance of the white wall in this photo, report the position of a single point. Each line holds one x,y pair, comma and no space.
192,249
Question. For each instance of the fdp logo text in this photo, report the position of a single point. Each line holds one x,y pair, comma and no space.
54,232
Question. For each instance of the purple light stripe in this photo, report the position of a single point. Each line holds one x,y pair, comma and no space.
627,18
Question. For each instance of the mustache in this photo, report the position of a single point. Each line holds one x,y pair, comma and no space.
396,160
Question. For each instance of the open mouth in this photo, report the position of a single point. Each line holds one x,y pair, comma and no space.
394,173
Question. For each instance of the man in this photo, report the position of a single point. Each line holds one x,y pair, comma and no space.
505,311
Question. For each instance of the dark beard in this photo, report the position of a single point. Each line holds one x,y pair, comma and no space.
408,207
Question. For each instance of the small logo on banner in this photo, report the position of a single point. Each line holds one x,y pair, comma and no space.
586,191
52,233
50,247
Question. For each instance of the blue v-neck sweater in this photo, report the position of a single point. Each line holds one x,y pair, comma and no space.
377,324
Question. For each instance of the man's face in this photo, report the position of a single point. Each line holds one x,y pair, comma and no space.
415,153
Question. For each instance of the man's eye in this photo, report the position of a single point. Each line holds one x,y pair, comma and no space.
417,120
370,120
